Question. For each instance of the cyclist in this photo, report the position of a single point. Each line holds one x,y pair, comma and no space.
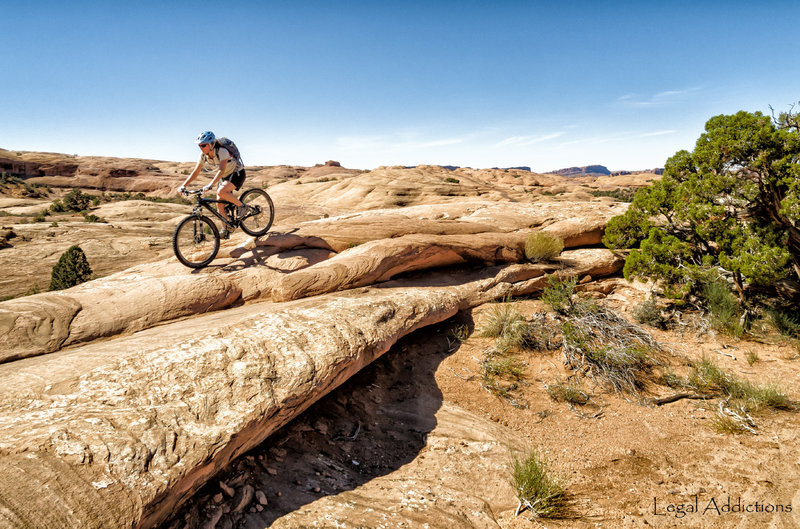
230,174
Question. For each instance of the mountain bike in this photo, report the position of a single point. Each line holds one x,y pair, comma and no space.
196,237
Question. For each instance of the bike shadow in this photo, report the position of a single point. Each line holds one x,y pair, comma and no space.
370,426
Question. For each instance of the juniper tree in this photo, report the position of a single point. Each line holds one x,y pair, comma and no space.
732,203
71,269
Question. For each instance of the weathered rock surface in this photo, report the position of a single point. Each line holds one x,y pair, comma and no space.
119,432
442,235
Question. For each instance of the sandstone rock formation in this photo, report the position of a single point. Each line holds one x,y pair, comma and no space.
120,397
369,248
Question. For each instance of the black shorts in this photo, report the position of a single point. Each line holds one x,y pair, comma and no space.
237,179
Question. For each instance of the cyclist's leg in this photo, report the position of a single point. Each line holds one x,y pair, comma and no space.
225,192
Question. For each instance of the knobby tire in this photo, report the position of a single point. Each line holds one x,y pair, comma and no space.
192,243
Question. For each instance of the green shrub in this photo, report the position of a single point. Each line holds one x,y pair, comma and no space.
40,217
542,246
649,313
502,319
58,206
623,194
88,217
723,306
451,180
560,295
71,269
76,200
708,378
536,487
784,320
571,392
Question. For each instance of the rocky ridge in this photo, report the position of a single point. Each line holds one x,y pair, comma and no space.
123,396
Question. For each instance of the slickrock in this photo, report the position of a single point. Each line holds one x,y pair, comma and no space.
294,265
120,432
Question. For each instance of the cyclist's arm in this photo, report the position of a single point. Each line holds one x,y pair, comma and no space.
222,165
193,175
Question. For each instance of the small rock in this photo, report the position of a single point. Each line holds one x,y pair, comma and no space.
244,498
226,489
271,471
261,497
298,482
278,494
217,497
321,427
259,507
316,489
212,522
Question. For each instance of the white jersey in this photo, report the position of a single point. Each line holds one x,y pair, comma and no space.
215,156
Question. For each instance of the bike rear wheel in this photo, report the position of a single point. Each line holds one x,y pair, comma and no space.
259,220
195,241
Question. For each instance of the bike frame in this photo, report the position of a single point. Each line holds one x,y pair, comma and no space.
200,203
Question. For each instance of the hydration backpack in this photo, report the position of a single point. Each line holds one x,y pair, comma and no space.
229,146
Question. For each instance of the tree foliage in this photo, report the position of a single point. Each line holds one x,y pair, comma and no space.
732,204
71,269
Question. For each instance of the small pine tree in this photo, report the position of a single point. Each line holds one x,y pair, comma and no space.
71,269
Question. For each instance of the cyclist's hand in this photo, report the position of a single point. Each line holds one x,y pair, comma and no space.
182,190
206,188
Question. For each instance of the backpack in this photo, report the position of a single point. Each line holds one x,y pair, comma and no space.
231,147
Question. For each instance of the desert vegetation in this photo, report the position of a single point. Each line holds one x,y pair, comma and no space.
727,212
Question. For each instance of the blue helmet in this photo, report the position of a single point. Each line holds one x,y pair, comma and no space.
205,137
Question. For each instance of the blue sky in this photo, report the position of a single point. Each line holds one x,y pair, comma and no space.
369,83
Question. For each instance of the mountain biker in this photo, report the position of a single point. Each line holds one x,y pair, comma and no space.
230,174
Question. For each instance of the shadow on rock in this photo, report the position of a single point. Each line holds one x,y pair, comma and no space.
372,425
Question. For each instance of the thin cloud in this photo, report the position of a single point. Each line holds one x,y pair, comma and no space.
661,98
527,140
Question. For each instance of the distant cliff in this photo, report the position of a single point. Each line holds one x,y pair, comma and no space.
600,170
589,170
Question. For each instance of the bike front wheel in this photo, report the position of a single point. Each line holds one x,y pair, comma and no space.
259,219
195,241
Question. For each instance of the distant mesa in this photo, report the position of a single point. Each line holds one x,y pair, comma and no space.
332,163
601,170
520,168
589,170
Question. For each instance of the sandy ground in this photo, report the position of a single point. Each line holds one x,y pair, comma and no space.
415,440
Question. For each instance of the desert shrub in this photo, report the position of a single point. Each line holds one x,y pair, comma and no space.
40,217
723,306
542,246
76,200
708,378
752,357
537,488
560,295
623,194
451,180
71,269
501,319
499,365
570,392
672,380
732,422
58,206
89,217
649,313
785,320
